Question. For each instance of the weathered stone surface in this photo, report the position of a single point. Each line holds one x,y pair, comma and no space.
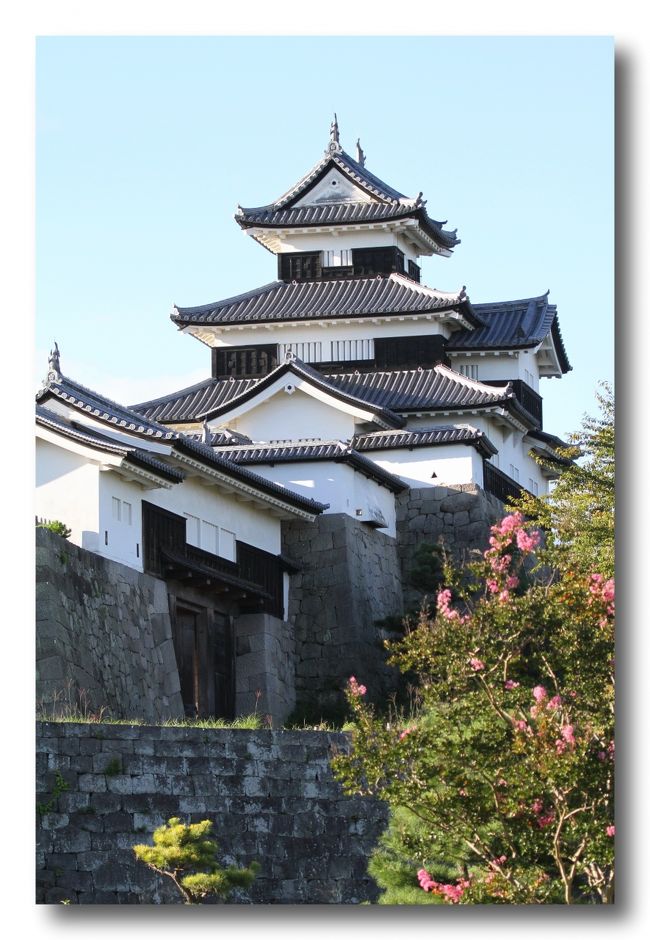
103,638
281,806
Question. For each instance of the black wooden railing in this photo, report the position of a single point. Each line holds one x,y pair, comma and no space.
499,484
525,395
164,531
265,569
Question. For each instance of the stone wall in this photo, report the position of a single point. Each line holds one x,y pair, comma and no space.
103,635
457,516
266,653
350,579
270,795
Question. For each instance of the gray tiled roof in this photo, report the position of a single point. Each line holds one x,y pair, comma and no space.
298,452
391,393
392,204
435,389
117,416
426,437
319,300
93,437
513,324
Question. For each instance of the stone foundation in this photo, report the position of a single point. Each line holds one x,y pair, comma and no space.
265,667
269,794
103,635
458,517
349,580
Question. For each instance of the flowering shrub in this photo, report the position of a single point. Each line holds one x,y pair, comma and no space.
501,785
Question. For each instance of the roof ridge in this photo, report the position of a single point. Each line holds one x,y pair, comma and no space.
417,286
57,388
474,383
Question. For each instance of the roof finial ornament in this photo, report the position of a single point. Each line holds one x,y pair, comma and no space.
54,363
334,145
206,436
361,157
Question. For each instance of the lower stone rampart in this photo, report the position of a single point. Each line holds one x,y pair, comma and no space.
270,795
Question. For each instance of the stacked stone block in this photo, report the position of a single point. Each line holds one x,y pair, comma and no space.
270,795
458,517
350,579
103,635
266,653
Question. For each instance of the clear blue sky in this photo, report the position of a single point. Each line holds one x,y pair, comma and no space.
145,145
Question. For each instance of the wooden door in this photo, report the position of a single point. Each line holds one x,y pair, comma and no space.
204,649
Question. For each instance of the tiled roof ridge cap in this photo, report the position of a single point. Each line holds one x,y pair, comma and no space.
415,431
492,390
453,296
139,423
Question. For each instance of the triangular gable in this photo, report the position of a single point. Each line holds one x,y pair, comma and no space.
294,376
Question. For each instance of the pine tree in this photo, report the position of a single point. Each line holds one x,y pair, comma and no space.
186,855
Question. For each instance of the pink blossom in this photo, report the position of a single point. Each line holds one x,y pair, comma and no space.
555,702
610,831
477,664
405,733
510,523
539,694
504,597
451,893
534,711
523,726
560,746
492,585
510,684
537,806
608,591
501,782
527,541
512,582
355,689
567,734
545,820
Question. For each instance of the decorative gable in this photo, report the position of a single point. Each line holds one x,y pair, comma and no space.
333,188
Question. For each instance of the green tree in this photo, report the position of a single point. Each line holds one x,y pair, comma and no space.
187,856
501,782
580,508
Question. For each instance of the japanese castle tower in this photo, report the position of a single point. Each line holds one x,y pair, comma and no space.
351,415
350,380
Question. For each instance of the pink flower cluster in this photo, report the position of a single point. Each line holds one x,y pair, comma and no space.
476,664
451,893
603,591
566,739
510,684
610,831
443,605
355,689
544,816
406,732
506,535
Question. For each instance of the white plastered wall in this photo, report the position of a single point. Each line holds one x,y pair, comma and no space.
452,464
505,367
294,416
363,238
334,329
67,490
337,484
